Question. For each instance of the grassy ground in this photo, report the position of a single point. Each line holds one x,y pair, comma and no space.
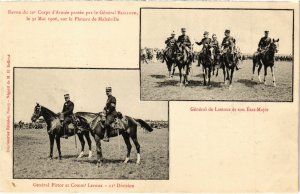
155,84
31,151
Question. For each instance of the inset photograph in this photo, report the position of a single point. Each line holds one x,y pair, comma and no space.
216,54
87,124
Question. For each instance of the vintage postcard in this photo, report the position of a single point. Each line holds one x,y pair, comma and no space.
149,97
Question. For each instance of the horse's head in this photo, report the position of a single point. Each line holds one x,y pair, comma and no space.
274,45
37,112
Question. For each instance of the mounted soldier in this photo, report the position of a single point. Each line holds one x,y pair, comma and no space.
215,43
110,112
184,40
228,46
263,45
206,41
66,114
170,42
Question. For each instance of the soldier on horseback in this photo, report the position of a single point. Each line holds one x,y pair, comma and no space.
215,43
110,111
228,46
170,42
66,114
184,40
263,45
206,41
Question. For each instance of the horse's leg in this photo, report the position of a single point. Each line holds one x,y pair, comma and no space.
57,139
184,70
180,76
82,142
88,139
51,138
231,76
273,75
253,69
138,147
258,72
224,74
265,74
209,75
169,66
128,145
99,151
204,75
174,66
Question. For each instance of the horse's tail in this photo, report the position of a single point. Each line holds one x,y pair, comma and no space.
144,124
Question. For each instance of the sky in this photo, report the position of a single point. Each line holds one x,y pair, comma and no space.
247,26
87,90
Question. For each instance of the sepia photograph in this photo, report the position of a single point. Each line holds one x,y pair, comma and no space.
217,54
87,124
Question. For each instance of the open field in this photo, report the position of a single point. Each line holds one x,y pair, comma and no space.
155,84
31,151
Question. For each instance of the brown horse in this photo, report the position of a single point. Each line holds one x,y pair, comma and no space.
266,60
169,57
56,131
183,61
125,126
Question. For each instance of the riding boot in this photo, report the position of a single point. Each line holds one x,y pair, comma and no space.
106,137
65,129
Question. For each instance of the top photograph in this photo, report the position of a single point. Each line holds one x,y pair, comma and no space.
214,54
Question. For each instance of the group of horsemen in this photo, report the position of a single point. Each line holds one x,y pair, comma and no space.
109,113
228,44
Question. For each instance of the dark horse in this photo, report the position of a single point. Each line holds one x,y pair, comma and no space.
230,61
170,60
266,59
56,131
183,61
206,58
125,126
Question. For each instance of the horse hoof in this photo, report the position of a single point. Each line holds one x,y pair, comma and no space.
275,85
80,155
60,158
126,160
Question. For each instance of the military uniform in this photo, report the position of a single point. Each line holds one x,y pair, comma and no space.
205,42
110,110
228,44
184,40
67,112
111,113
215,44
170,41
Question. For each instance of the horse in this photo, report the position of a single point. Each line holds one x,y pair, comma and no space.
56,131
183,61
217,64
170,60
206,58
122,125
267,60
230,61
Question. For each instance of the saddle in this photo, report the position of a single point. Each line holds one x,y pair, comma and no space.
119,125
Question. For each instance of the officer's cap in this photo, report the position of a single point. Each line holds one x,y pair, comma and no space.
67,95
183,30
205,33
173,33
214,35
108,89
227,31
266,31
